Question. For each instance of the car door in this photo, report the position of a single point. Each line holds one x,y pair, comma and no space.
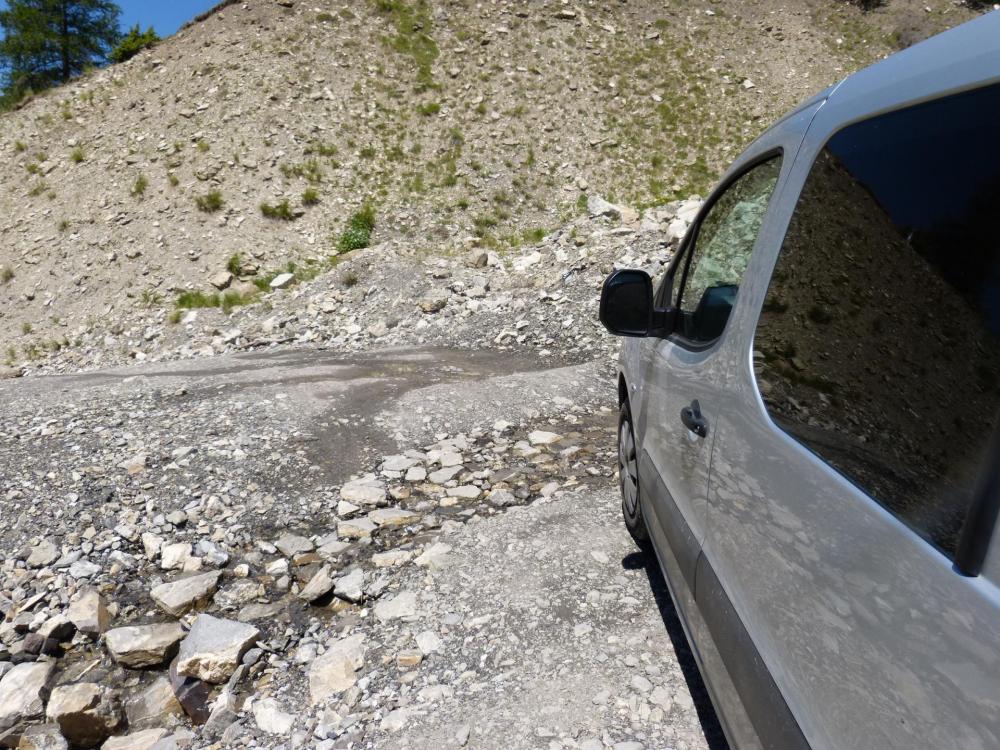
682,372
854,439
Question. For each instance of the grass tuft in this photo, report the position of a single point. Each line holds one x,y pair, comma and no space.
359,230
282,211
210,202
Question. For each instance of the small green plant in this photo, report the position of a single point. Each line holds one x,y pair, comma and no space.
150,298
6,274
191,300
534,236
281,211
367,152
430,109
66,113
358,233
26,328
310,170
77,155
133,43
63,225
172,179
322,149
234,264
202,145
174,317
33,168
310,197
139,186
19,147
210,202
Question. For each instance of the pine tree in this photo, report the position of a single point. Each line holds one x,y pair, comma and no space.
50,41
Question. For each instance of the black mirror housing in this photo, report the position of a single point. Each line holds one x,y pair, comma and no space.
627,303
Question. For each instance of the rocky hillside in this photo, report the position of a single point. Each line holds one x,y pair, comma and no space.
242,146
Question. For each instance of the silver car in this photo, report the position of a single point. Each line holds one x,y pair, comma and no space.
808,413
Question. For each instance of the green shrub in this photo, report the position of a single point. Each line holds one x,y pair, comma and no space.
19,147
310,197
202,145
210,202
227,301
6,274
358,234
234,264
281,211
133,43
429,109
77,155
139,186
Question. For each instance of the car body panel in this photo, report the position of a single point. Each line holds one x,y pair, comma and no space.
869,636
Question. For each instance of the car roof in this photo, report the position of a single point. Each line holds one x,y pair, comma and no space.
965,57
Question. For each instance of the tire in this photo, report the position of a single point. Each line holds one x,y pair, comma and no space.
628,479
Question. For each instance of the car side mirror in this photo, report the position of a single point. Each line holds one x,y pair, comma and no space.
627,303
712,314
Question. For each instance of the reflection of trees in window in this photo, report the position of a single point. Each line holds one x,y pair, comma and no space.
875,347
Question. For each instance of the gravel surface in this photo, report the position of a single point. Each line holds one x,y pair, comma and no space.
299,548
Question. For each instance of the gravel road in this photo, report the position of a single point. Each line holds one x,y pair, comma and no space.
460,508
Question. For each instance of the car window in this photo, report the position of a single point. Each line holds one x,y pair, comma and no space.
721,250
878,346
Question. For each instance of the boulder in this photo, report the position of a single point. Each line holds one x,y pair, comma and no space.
393,517
402,605
364,491
143,740
214,647
177,597
86,713
351,587
221,280
270,718
291,545
23,691
156,706
42,554
138,646
319,586
336,670
42,737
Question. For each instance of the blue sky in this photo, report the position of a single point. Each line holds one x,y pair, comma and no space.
166,16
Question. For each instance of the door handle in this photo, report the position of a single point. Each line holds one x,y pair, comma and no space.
693,420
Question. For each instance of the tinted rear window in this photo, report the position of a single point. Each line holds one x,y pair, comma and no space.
879,343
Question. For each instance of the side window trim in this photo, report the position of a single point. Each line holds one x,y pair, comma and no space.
682,261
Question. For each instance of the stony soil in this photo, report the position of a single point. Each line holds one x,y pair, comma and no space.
478,564
462,125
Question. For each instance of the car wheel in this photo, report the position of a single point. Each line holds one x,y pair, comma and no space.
628,479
